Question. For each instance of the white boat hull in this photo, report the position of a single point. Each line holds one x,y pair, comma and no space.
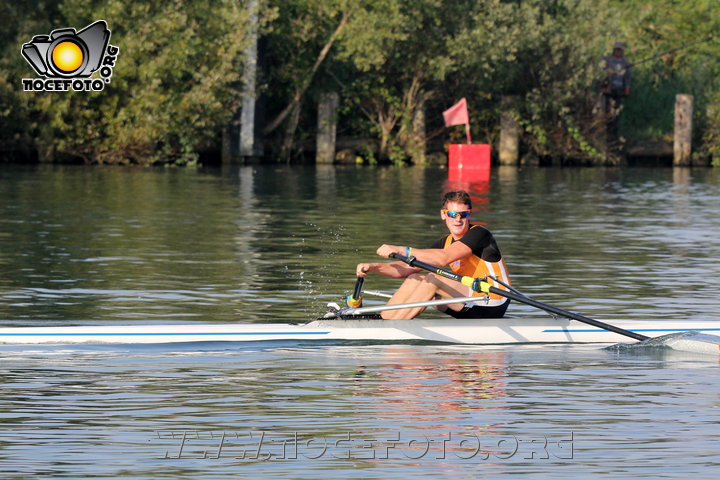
485,331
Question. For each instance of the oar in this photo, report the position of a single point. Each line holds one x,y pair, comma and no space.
481,286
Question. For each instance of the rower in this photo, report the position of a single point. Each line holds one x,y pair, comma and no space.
468,249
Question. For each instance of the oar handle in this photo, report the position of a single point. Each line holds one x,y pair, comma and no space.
355,300
480,285
477,284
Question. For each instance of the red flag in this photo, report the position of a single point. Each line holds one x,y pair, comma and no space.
457,114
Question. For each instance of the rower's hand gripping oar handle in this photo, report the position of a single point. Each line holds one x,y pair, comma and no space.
480,285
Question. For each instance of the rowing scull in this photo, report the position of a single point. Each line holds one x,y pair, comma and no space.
506,330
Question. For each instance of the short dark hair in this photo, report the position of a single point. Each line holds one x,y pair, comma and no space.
457,196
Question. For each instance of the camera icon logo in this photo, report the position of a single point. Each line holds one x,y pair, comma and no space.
67,54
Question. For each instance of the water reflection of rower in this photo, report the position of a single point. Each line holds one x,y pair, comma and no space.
452,383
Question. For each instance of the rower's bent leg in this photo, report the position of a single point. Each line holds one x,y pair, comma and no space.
447,288
421,287
413,289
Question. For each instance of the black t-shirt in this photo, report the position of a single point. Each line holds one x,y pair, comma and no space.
481,242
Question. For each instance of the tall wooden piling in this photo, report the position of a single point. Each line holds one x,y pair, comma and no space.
509,148
682,146
249,143
327,127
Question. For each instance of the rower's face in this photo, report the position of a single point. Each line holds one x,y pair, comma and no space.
458,225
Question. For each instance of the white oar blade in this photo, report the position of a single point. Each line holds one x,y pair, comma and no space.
694,342
687,341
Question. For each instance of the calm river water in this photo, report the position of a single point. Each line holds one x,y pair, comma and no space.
81,245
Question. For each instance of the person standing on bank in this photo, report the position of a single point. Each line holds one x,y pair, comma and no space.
614,88
618,72
468,249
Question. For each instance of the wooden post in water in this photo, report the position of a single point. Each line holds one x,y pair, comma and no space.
249,143
327,127
682,147
509,133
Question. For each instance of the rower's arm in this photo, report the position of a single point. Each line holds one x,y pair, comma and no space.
392,270
434,256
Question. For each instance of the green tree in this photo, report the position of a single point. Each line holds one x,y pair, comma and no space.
22,20
305,55
174,86
301,39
